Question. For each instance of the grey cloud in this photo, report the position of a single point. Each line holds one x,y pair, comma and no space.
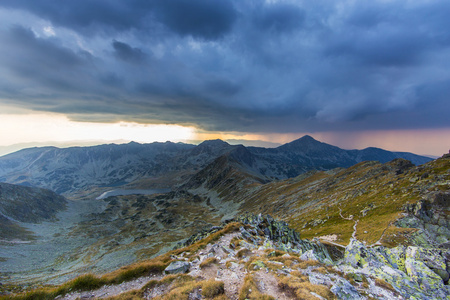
390,34
198,18
127,53
39,63
279,17
205,19
84,15
42,52
234,65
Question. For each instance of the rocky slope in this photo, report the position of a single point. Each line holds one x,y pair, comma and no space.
69,171
262,258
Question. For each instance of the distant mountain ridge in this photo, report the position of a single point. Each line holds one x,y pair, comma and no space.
78,168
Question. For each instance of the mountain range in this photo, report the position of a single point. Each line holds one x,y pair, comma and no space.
71,170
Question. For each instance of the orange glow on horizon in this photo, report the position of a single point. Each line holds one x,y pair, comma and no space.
422,141
42,128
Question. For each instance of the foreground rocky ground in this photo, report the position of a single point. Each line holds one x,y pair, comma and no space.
261,258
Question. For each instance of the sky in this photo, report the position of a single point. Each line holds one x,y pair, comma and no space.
351,73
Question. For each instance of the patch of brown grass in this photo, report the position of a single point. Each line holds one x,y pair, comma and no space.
136,270
207,262
234,243
301,288
321,270
212,288
306,263
131,295
249,290
181,286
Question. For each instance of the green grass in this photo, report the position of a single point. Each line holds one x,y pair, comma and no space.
368,185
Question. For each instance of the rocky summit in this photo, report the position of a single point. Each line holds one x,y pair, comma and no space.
215,221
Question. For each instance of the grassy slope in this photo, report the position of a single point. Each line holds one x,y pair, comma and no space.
370,192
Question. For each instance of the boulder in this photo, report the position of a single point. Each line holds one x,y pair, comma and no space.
344,290
176,267
358,255
308,255
432,258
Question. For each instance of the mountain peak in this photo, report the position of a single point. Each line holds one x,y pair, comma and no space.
304,141
214,143
306,138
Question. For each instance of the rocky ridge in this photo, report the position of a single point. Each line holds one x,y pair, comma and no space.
262,258
431,218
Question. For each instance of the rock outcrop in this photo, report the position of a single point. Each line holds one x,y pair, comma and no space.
431,218
408,272
414,272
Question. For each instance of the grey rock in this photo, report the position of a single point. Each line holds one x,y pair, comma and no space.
413,271
177,267
344,290
228,250
321,279
309,255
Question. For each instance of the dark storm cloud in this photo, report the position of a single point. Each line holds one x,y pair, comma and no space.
283,66
199,18
279,17
37,62
125,52
84,15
